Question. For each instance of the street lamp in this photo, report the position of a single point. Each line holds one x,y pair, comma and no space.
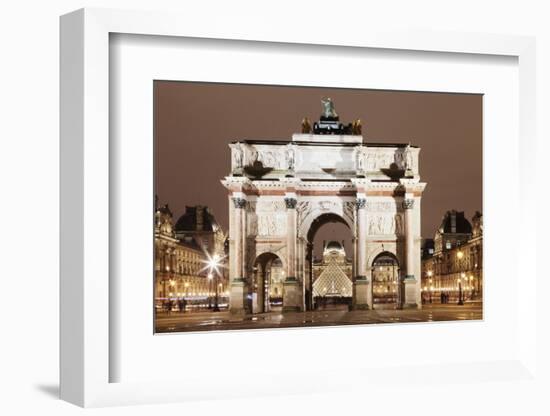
213,264
430,274
460,294
209,276
459,256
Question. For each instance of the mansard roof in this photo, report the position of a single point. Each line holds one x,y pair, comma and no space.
454,222
164,210
188,221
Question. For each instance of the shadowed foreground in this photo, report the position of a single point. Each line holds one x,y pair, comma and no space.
216,321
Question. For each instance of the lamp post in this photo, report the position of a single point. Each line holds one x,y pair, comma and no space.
430,274
460,256
213,264
210,290
460,292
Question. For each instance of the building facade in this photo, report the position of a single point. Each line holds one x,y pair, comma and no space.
181,268
452,263
281,192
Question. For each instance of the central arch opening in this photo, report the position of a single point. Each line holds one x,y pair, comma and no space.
329,263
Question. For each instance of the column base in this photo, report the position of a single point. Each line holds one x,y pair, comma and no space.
410,289
292,295
238,304
361,298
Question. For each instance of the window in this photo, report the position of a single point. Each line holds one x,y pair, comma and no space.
448,245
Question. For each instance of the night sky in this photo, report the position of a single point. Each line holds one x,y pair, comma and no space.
194,122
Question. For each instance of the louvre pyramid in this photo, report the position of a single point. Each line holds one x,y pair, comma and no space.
332,281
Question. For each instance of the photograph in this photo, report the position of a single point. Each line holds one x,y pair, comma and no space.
281,206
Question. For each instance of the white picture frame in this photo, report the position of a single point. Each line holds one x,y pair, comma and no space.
85,341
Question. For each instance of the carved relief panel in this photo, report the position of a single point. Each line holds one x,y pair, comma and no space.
269,218
384,218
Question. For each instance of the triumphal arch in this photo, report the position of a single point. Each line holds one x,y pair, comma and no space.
282,191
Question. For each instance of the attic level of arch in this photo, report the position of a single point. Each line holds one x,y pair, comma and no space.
309,158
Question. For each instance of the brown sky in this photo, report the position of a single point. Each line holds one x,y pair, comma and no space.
195,121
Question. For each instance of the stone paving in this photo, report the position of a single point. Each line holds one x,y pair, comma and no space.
209,321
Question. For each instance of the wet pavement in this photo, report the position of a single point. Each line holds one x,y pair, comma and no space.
215,321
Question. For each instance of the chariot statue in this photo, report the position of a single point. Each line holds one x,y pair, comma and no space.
328,108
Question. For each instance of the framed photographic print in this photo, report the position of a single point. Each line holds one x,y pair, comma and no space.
324,227
318,213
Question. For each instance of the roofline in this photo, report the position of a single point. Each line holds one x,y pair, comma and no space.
311,143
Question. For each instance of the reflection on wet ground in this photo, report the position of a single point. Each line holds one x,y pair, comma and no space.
208,321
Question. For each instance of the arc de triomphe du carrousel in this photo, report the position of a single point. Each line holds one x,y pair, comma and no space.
282,191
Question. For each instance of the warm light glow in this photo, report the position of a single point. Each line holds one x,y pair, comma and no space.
430,273
460,254
213,263
463,275
210,276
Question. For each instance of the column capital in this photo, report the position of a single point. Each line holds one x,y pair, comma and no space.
239,202
291,202
408,203
361,203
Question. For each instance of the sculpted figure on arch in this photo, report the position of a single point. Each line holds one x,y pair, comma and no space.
328,108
